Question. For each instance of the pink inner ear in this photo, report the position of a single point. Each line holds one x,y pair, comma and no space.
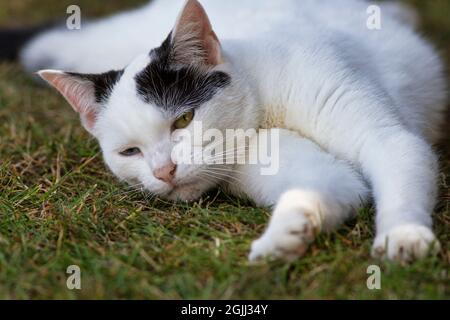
79,93
194,20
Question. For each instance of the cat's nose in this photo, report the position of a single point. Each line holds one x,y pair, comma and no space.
166,173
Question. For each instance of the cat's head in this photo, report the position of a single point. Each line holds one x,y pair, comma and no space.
135,113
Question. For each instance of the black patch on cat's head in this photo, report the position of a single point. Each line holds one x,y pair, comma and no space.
103,82
175,87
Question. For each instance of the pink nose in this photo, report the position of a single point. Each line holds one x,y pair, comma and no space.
166,173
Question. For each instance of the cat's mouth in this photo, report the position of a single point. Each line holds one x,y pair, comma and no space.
191,188
189,191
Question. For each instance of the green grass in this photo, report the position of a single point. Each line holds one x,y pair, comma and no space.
59,206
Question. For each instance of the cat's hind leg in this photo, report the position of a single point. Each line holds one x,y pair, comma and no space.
312,192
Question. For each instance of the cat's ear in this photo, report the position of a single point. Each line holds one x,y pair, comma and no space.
79,91
193,38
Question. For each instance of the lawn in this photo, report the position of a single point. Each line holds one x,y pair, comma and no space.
59,206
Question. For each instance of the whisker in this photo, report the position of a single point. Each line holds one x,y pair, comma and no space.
222,176
220,179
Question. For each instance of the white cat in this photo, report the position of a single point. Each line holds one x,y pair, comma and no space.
372,101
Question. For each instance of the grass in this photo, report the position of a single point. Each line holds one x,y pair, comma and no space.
59,206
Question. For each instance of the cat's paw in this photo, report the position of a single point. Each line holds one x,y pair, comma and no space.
288,242
405,244
292,229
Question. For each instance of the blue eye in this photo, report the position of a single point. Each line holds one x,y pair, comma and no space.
130,152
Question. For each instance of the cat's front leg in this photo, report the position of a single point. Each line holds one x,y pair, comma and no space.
311,191
296,221
402,169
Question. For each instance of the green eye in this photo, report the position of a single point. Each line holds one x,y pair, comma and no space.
130,152
183,121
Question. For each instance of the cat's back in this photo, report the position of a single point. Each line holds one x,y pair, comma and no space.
327,41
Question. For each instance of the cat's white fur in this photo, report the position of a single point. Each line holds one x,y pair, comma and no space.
113,42
373,98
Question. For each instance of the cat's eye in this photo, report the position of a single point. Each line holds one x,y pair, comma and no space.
183,121
130,152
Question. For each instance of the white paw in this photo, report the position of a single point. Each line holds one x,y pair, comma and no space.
287,237
405,244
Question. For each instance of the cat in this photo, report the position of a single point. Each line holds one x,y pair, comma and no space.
357,110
